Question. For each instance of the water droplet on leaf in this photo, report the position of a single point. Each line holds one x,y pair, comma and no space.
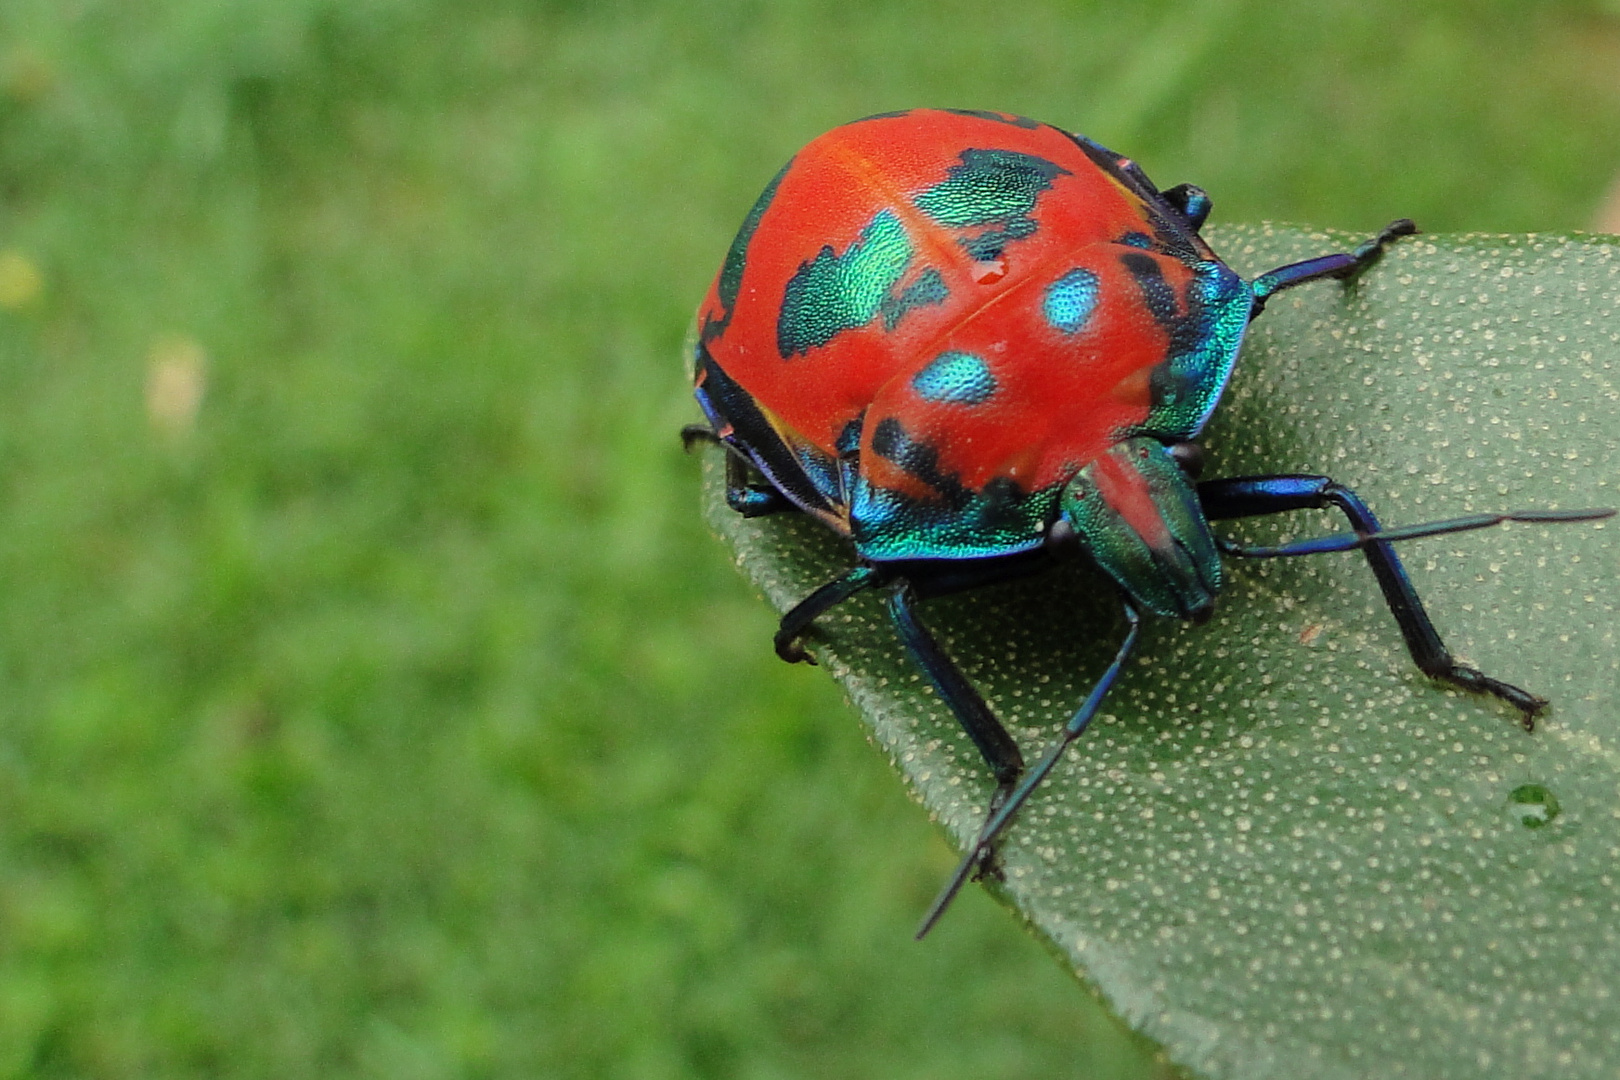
1533,805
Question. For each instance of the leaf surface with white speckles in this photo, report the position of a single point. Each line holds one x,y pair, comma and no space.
1281,850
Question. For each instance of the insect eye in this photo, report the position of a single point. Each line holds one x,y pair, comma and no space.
1190,456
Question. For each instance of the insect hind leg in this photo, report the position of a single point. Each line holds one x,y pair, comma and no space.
994,743
742,494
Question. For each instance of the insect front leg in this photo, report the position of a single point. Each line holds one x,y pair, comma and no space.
1342,265
1256,495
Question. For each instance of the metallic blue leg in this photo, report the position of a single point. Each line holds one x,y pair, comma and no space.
748,499
1327,266
998,748
1001,814
751,500
805,612
1255,495
1353,541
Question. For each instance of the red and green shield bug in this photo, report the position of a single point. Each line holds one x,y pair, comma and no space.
966,341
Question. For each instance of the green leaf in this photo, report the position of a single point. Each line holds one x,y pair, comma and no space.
1281,849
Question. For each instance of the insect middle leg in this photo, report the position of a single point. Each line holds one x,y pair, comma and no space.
965,702
967,705
1004,805
1252,496
997,747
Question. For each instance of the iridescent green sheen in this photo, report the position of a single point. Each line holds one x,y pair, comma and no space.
1178,580
832,292
1204,348
953,522
989,186
1001,520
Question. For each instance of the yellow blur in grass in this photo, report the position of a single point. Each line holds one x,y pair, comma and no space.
21,283
176,378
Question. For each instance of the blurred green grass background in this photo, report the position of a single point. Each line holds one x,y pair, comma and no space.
373,702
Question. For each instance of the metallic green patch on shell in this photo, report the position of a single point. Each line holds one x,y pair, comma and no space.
989,186
956,522
832,292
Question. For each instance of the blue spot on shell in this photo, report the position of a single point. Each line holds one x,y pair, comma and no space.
1070,300
957,378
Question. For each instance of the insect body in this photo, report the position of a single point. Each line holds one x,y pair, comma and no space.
967,340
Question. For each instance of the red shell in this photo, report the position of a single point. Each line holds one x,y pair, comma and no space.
1062,398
